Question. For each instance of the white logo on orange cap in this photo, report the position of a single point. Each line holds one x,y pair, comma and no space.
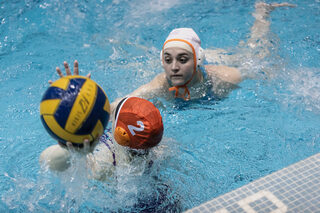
134,128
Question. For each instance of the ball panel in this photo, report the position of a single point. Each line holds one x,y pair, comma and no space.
106,106
97,130
105,111
62,83
82,106
70,95
49,106
53,93
59,133
97,113
76,76
49,130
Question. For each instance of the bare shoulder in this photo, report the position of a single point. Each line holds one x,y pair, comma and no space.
147,91
157,83
154,88
224,79
224,73
160,80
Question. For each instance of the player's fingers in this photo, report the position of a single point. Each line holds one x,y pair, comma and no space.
59,72
66,66
86,146
70,146
76,68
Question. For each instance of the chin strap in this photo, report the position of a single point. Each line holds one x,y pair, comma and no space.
186,89
177,95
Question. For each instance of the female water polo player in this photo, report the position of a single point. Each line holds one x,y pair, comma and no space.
137,127
185,74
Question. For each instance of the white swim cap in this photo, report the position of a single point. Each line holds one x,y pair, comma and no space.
187,39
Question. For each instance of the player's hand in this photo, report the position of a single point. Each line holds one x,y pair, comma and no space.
85,149
68,71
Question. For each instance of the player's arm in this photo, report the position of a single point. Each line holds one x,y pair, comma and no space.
154,88
224,79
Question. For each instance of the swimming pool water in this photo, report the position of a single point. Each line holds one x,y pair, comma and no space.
210,147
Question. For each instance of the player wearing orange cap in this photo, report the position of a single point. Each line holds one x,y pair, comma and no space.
137,127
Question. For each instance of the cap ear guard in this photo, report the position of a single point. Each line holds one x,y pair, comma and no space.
121,136
161,57
201,57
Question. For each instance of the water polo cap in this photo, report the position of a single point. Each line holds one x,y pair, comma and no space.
187,39
138,123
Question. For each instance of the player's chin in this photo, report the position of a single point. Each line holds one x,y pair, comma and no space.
177,81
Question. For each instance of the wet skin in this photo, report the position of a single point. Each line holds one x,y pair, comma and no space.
178,65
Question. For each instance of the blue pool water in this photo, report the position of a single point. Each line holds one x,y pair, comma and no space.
210,147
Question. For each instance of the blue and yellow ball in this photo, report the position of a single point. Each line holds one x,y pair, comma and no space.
74,108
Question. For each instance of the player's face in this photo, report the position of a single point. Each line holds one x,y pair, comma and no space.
178,65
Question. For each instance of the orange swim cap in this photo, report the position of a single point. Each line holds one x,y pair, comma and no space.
138,124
